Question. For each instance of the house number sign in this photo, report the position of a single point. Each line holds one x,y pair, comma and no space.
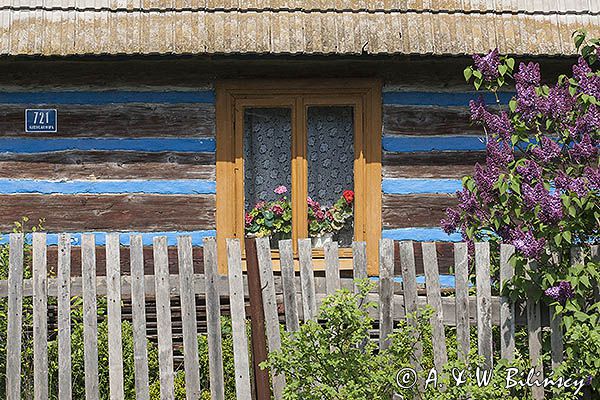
41,120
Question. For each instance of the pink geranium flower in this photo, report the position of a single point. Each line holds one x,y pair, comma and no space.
280,189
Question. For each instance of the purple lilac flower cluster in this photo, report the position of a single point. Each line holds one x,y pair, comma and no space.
584,150
530,170
488,64
550,211
579,185
576,127
589,83
561,292
496,123
547,151
526,243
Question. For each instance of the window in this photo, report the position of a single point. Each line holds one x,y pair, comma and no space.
317,138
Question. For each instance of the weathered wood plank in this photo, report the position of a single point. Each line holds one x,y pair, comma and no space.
138,314
556,338
64,317
148,266
113,299
90,316
40,313
409,276
332,267
428,120
238,320
288,278
445,255
359,261
434,298
534,330
110,212
409,210
269,300
409,287
188,317
386,291
15,317
430,164
463,333
507,307
213,321
163,318
107,165
307,279
125,119
484,306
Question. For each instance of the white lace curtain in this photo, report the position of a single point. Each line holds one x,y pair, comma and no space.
267,154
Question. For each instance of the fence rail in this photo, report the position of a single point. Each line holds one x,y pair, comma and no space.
298,293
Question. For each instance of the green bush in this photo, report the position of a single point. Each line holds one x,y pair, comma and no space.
335,359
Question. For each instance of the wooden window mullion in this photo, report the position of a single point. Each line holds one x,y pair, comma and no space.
299,173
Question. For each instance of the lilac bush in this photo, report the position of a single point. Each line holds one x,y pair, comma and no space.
538,189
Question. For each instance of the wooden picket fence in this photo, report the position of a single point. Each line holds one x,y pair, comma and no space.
300,295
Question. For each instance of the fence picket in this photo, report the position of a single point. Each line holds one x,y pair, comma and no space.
213,321
267,282
307,279
463,328
434,298
113,298
188,317
64,317
288,275
507,307
138,316
386,291
15,317
40,315
359,261
484,302
332,267
163,318
90,316
534,330
409,287
238,320
556,333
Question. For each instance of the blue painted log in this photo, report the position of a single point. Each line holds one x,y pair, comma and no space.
421,186
181,186
413,144
154,145
420,235
147,237
449,99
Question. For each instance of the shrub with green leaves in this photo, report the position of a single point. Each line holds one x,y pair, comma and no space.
335,358
539,190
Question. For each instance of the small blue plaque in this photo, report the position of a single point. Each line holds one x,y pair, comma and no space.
40,120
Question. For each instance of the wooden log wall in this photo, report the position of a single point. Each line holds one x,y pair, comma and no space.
429,144
121,160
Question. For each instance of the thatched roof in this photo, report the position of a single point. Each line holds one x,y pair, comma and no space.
342,27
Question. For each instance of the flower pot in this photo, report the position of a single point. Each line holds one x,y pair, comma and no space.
319,241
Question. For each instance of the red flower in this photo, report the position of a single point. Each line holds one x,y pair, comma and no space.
277,209
348,196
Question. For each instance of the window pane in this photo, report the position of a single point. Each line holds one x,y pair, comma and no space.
331,169
267,166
